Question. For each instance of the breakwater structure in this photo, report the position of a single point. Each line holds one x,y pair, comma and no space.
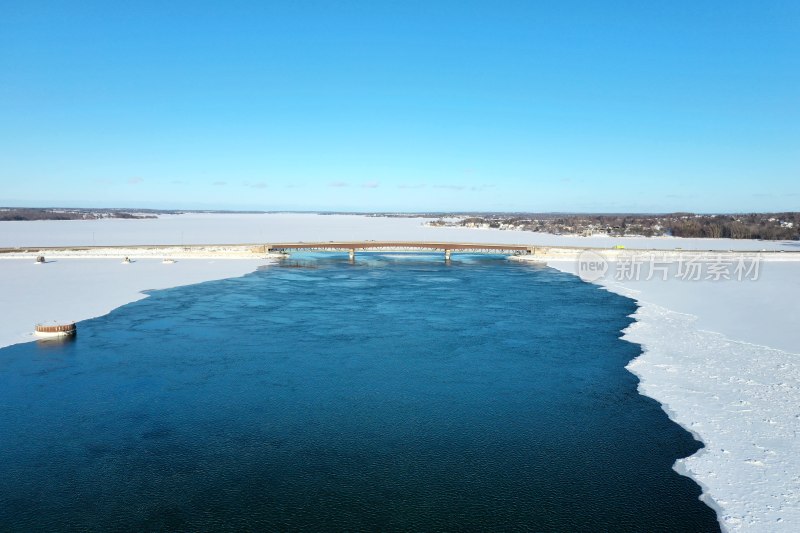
56,330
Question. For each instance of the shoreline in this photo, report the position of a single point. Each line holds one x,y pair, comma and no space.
741,432
727,394
680,465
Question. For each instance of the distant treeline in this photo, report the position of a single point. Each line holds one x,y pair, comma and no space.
777,226
766,226
64,214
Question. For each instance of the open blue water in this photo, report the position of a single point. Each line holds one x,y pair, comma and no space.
398,393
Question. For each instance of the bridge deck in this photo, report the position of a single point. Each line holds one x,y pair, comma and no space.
398,245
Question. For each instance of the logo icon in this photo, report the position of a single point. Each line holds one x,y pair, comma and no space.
591,266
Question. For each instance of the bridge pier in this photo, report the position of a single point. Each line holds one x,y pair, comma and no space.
447,254
352,254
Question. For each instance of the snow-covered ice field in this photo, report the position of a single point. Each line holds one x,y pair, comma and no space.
721,356
199,228
78,289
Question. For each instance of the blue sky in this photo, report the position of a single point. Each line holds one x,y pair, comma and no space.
402,105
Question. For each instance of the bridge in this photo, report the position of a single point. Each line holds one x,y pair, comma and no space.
447,247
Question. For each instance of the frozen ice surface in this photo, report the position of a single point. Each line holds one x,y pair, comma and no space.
209,228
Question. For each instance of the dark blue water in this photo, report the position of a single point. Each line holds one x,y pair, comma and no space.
393,394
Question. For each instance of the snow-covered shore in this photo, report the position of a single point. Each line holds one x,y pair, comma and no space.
722,357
